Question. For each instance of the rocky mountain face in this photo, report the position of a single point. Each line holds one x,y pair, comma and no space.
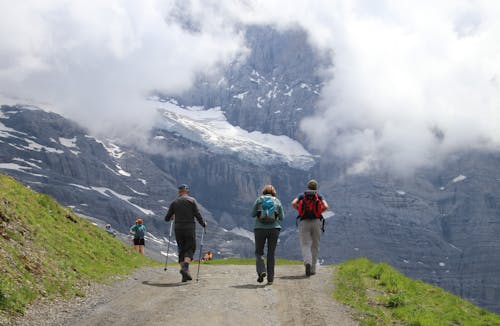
272,89
441,225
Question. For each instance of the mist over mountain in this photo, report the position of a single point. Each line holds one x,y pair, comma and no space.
397,122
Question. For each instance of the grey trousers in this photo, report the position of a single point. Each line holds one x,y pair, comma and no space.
309,236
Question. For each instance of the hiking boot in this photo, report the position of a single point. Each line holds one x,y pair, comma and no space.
261,277
269,282
185,275
308,269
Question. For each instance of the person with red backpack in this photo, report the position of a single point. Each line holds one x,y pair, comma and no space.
310,206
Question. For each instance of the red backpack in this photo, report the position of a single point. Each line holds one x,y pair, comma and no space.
310,206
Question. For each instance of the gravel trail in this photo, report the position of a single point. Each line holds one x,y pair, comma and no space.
224,295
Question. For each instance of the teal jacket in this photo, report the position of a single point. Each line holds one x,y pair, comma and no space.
278,208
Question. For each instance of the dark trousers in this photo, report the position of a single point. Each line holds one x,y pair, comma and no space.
186,242
261,236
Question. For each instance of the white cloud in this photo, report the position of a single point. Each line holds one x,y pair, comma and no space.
96,61
412,81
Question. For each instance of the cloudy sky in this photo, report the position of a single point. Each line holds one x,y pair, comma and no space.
412,81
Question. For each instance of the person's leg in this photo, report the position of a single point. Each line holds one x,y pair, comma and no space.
141,249
315,237
260,241
305,244
182,245
189,245
136,244
272,242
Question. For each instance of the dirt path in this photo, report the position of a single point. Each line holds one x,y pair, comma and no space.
224,295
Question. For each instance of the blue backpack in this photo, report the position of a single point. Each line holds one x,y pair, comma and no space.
267,213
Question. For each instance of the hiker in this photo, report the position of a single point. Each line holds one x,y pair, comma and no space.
208,256
184,209
110,231
310,206
138,230
268,214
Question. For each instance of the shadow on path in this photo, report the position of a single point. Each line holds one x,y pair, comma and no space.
248,286
164,285
293,277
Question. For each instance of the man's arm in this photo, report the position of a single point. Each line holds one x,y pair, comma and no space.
294,202
324,204
170,212
197,214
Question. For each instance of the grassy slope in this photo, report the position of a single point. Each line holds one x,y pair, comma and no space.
46,250
383,296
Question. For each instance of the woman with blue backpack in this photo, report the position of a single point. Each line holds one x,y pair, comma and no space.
268,214
138,230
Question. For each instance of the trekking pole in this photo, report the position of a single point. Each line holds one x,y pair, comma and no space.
201,250
168,243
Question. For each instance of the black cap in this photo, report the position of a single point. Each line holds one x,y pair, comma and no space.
183,187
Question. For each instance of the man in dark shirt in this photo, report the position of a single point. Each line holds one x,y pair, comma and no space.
184,209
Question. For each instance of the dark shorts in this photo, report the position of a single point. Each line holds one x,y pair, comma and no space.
139,242
186,242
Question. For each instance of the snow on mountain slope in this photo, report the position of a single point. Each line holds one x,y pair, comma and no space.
211,128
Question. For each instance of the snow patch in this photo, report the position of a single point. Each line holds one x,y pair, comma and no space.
210,128
68,142
400,192
19,168
108,192
122,172
113,150
243,233
137,192
442,264
459,178
241,96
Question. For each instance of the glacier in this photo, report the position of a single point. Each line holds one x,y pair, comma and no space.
210,128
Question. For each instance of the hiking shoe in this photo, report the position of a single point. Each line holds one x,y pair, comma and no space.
269,282
308,269
261,277
185,275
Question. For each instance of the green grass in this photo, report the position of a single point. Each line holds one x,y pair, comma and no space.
383,296
48,251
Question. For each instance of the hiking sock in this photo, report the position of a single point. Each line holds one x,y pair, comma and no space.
308,269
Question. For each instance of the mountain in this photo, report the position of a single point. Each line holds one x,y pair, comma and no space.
227,138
